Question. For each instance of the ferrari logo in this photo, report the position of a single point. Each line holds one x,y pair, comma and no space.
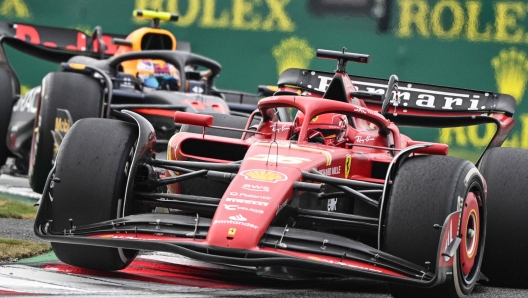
348,164
231,232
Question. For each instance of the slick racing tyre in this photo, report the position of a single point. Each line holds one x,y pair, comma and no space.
65,98
425,191
6,108
208,188
506,172
92,167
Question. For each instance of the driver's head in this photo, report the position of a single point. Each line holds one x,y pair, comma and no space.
330,125
158,74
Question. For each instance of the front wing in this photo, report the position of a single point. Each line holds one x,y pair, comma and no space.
307,251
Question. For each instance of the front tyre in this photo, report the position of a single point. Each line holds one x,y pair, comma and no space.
65,98
425,191
6,108
92,166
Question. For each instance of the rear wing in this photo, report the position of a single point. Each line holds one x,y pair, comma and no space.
240,101
420,105
56,44
416,99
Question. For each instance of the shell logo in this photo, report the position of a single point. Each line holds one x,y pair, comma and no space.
264,175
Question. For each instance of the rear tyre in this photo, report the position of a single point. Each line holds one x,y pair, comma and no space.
505,171
208,188
425,191
6,108
75,93
92,167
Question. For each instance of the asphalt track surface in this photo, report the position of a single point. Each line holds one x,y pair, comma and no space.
164,274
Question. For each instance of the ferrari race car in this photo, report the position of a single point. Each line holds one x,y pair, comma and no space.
144,73
338,191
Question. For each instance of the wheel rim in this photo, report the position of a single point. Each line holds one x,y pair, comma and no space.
470,234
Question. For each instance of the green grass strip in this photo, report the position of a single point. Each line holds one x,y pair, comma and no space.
18,210
13,249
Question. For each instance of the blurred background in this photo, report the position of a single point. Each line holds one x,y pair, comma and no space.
472,44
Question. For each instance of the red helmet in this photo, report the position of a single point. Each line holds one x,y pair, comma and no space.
330,126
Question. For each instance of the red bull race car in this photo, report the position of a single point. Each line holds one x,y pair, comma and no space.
338,191
148,72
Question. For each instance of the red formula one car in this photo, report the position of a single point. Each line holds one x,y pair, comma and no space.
337,192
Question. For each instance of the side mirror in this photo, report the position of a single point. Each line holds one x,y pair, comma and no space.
193,119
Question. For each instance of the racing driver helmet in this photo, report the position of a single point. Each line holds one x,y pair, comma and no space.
158,75
328,129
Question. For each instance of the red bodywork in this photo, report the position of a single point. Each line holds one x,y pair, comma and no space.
264,183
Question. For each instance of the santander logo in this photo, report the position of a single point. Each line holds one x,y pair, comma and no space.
238,217
255,187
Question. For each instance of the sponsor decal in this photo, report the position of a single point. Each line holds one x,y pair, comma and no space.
361,110
234,207
28,102
348,164
419,97
291,160
364,111
279,129
231,232
331,171
332,204
63,122
324,82
265,16
238,217
251,196
343,264
248,202
360,139
235,222
253,187
264,175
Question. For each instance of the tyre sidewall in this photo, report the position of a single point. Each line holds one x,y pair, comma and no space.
472,182
6,108
82,194
76,93
418,182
